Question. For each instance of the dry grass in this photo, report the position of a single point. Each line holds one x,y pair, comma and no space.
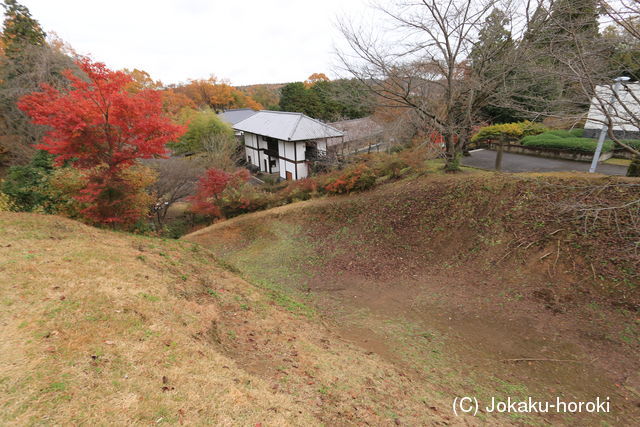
108,328
448,272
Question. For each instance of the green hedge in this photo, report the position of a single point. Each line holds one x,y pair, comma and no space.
573,133
553,140
633,143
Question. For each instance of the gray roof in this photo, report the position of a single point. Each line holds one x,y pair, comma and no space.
286,126
357,129
234,116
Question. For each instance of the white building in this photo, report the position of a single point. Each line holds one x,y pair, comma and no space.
284,143
625,112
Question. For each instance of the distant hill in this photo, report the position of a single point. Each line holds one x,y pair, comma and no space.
267,94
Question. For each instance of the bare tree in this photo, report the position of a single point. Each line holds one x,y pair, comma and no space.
36,65
177,178
423,62
221,151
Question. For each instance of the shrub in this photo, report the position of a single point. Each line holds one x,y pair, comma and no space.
354,178
532,128
28,186
633,143
242,198
222,194
562,133
303,189
6,203
65,184
634,167
205,129
551,140
507,131
390,165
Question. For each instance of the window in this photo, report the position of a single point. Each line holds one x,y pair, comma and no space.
272,144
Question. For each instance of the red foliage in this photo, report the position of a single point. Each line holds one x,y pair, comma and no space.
210,188
97,125
302,189
98,122
357,178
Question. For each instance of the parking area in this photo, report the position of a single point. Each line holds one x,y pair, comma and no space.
485,159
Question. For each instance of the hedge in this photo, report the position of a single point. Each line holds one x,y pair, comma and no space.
552,140
573,133
510,131
633,143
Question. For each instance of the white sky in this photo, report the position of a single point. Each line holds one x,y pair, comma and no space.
245,41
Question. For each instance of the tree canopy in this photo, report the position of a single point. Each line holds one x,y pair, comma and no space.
327,100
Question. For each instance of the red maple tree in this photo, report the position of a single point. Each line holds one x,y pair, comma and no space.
210,188
98,126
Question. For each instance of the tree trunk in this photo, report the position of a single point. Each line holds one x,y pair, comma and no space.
634,167
452,157
499,154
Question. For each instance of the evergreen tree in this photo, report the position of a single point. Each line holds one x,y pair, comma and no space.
20,29
489,61
327,100
552,39
293,97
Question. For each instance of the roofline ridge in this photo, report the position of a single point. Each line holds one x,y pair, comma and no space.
296,126
239,109
279,112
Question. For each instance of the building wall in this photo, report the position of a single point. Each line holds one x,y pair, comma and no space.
252,155
255,154
291,156
290,153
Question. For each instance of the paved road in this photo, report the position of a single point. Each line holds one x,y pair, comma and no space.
486,159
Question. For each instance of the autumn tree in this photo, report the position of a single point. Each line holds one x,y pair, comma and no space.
141,80
267,96
315,78
210,189
99,127
217,94
175,103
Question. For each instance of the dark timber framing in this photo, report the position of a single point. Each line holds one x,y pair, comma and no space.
295,157
278,157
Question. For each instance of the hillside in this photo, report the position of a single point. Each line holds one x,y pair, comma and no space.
485,285
106,328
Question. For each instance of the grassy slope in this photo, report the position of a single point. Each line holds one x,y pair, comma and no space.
108,328
450,276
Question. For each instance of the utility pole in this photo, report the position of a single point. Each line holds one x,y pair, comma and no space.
605,128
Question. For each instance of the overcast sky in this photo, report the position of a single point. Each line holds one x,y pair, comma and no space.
245,41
